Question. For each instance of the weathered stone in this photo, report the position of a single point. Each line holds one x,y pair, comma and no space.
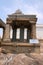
20,59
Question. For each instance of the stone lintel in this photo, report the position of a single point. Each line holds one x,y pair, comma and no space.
31,20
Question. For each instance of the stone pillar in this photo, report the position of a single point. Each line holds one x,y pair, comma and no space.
28,35
0,40
7,33
21,34
3,32
33,31
14,35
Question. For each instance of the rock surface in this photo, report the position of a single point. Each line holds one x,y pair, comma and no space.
20,59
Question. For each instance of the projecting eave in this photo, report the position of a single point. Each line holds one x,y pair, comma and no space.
19,16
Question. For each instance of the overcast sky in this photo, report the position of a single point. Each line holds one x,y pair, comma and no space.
26,6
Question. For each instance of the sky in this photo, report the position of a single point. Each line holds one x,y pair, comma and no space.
26,6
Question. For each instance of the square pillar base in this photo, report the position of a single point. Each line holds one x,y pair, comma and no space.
6,40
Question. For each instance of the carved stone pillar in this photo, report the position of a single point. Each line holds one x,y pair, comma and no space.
14,34
21,34
7,33
33,31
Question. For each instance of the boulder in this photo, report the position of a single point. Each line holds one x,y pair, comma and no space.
20,59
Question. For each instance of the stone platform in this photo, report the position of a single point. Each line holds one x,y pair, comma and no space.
15,47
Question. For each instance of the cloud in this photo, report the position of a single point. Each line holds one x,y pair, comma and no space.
28,7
